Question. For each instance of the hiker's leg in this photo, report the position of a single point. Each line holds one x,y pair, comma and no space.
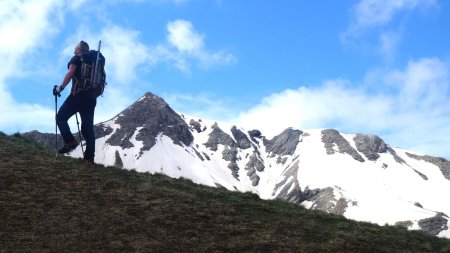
87,129
64,114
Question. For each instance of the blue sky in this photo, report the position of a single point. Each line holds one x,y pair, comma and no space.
363,66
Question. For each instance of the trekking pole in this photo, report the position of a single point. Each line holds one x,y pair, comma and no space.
56,123
79,133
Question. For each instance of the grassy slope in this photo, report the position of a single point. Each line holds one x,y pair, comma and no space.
49,204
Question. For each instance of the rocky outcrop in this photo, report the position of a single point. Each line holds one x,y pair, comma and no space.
284,143
423,176
290,190
434,225
251,173
118,161
102,131
255,134
331,137
122,140
195,125
322,199
254,164
230,154
241,139
370,146
325,200
218,136
440,162
152,115
234,170
396,157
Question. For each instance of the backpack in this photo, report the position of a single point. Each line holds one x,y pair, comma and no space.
93,76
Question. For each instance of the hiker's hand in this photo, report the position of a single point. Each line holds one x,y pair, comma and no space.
57,90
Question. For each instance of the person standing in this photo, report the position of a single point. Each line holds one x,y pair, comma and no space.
77,102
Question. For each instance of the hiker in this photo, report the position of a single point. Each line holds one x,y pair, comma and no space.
77,102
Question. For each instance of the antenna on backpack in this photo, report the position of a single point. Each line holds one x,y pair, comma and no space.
96,65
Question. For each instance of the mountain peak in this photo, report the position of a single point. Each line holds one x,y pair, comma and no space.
146,118
347,174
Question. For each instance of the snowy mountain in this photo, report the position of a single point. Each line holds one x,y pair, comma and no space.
355,175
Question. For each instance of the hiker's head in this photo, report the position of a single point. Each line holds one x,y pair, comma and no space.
81,47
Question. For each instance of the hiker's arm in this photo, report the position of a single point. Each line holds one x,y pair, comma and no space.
69,75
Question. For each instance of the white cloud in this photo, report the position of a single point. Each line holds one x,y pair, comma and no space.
424,83
30,25
183,36
388,44
24,25
190,45
415,116
127,57
203,105
122,48
126,53
372,13
176,2
377,16
75,4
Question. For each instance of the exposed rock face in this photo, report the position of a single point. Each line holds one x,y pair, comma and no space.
331,137
195,125
102,131
434,225
291,191
370,146
284,143
254,164
122,139
242,141
234,169
154,116
423,176
217,136
324,200
229,154
396,157
118,161
440,162
251,173
255,134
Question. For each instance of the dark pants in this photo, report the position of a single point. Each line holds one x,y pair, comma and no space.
86,107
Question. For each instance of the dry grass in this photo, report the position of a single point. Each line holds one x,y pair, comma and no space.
61,205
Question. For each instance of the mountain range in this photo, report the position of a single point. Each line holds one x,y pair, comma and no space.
358,176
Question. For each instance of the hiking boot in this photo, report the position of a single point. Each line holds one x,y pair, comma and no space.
87,161
68,147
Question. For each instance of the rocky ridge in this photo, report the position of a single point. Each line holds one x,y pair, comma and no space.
250,155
